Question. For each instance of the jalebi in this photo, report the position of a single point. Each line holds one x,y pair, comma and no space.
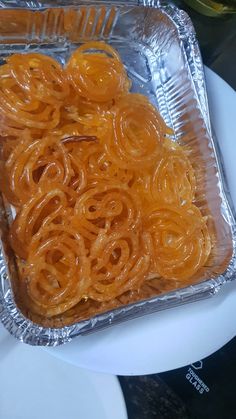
171,180
108,207
179,240
32,91
58,269
98,76
104,199
138,133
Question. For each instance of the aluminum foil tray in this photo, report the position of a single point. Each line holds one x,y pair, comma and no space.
158,45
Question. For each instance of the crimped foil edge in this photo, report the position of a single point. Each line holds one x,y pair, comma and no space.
28,332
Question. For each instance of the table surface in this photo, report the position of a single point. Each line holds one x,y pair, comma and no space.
180,394
204,390
217,39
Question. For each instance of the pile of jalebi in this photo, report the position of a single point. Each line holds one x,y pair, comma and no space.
104,200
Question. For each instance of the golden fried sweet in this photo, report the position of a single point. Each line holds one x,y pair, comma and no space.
104,199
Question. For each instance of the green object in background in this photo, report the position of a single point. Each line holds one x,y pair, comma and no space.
213,8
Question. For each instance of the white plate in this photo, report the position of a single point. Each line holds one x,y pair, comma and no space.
35,385
180,336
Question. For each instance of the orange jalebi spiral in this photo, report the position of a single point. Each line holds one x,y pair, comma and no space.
107,207
119,264
57,270
97,76
179,240
104,199
45,160
32,89
138,132
98,166
51,203
172,180
41,76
